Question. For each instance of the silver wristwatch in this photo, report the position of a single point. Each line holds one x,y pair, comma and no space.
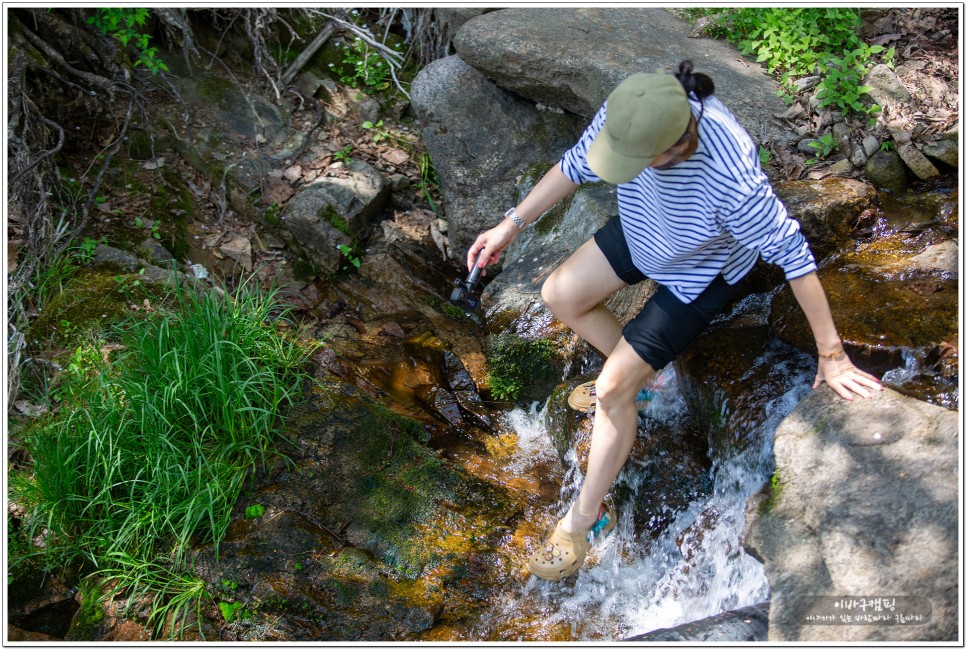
513,216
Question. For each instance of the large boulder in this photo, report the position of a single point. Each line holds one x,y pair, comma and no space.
863,504
481,138
571,58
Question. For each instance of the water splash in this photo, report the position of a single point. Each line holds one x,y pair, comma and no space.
627,588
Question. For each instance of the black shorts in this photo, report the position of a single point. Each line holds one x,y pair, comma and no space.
666,325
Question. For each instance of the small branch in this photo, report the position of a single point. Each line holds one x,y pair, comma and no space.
324,34
45,154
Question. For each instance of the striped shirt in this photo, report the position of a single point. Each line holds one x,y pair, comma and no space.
712,214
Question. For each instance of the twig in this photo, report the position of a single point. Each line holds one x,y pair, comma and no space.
324,34
45,154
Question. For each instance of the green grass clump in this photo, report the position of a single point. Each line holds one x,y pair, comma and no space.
150,453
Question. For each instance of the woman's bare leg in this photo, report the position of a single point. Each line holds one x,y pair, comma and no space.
615,429
574,293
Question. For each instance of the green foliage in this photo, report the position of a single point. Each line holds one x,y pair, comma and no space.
841,85
152,452
824,145
795,42
888,145
428,181
515,362
233,611
764,155
350,255
84,251
345,155
154,227
378,132
125,24
362,67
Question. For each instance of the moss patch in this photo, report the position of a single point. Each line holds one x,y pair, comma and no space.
89,301
517,363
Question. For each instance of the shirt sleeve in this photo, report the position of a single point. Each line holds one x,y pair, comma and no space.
574,161
758,219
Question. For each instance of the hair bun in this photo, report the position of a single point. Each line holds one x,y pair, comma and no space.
700,84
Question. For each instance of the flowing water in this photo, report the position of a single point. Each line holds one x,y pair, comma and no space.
626,587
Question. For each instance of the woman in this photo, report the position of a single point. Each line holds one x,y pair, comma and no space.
696,211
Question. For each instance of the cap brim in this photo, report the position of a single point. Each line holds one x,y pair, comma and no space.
611,166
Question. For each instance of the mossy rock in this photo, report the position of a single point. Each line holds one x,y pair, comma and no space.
91,300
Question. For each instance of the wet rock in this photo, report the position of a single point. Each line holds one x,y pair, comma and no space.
364,537
862,505
728,373
826,209
465,390
749,624
690,541
884,314
469,126
886,170
16,634
441,403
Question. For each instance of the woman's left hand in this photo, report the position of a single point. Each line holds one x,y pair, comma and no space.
845,378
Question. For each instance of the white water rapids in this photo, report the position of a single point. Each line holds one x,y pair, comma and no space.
623,589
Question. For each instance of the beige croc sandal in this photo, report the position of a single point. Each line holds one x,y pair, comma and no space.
583,398
562,554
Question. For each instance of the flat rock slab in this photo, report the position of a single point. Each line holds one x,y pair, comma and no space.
864,504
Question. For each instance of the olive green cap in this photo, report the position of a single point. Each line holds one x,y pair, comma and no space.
646,115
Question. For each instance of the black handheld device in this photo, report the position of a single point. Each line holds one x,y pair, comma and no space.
463,297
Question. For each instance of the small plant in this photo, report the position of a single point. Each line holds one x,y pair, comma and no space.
887,146
349,253
824,145
363,67
154,227
84,251
345,155
125,25
233,611
764,156
378,132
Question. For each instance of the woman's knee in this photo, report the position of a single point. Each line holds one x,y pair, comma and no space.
555,296
613,390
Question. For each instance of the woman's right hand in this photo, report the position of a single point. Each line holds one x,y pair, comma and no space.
491,244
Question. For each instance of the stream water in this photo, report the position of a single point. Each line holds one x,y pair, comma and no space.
628,587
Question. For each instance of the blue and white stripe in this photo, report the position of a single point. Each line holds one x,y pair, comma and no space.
714,213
